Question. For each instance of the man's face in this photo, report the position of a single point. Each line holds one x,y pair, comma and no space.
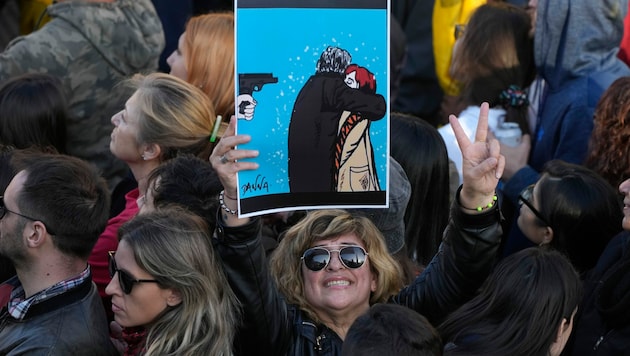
12,225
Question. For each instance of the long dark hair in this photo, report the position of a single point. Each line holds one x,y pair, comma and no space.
582,208
421,151
520,308
33,113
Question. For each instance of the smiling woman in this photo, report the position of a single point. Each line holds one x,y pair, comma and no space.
330,267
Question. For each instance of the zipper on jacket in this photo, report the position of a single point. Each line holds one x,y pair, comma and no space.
318,341
601,338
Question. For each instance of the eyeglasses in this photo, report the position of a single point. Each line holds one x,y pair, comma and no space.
4,211
459,31
525,197
125,280
317,258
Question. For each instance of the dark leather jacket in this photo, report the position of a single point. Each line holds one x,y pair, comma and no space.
72,323
273,327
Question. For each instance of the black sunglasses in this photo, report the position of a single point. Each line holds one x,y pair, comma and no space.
4,211
525,197
317,258
125,280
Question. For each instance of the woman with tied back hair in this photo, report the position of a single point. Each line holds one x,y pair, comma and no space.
493,62
205,58
609,152
33,113
168,288
525,308
420,150
164,117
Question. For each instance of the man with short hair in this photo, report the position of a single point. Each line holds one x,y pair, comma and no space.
51,214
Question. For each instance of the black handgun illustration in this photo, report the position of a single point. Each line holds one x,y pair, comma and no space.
249,83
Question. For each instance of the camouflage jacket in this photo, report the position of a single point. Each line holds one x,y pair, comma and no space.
91,46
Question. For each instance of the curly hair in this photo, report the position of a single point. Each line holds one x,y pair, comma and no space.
608,152
286,263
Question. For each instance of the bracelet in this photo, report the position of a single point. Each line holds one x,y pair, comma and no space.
487,206
223,206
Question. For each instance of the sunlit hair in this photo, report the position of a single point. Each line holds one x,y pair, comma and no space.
495,52
173,246
584,211
519,309
365,78
208,49
609,152
286,263
173,114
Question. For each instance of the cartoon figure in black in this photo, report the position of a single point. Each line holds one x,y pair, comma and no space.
355,169
315,122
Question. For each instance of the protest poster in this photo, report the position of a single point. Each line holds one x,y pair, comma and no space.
312,92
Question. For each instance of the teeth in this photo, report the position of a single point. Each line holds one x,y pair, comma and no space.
338,283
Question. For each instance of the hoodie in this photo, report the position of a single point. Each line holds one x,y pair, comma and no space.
91,47
575,49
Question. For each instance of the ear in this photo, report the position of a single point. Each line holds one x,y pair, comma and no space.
36,234
174,298
562,336
547,233
151,151
374,282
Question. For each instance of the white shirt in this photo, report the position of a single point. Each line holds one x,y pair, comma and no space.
468,120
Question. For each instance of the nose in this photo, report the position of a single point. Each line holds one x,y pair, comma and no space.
169,60
113,287
624,187
335,263
115,120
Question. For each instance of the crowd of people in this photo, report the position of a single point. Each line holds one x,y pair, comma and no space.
119,224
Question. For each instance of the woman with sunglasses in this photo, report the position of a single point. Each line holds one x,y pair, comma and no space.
168,289
330,267
572,209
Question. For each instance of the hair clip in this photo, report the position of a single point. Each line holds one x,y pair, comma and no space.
215,130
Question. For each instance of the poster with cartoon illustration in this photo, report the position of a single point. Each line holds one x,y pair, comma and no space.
312,92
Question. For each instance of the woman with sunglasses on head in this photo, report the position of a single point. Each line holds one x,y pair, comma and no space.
571,209
330,267
168,289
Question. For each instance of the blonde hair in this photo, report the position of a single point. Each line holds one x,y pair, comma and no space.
286,263
173,114
209,53
173,246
